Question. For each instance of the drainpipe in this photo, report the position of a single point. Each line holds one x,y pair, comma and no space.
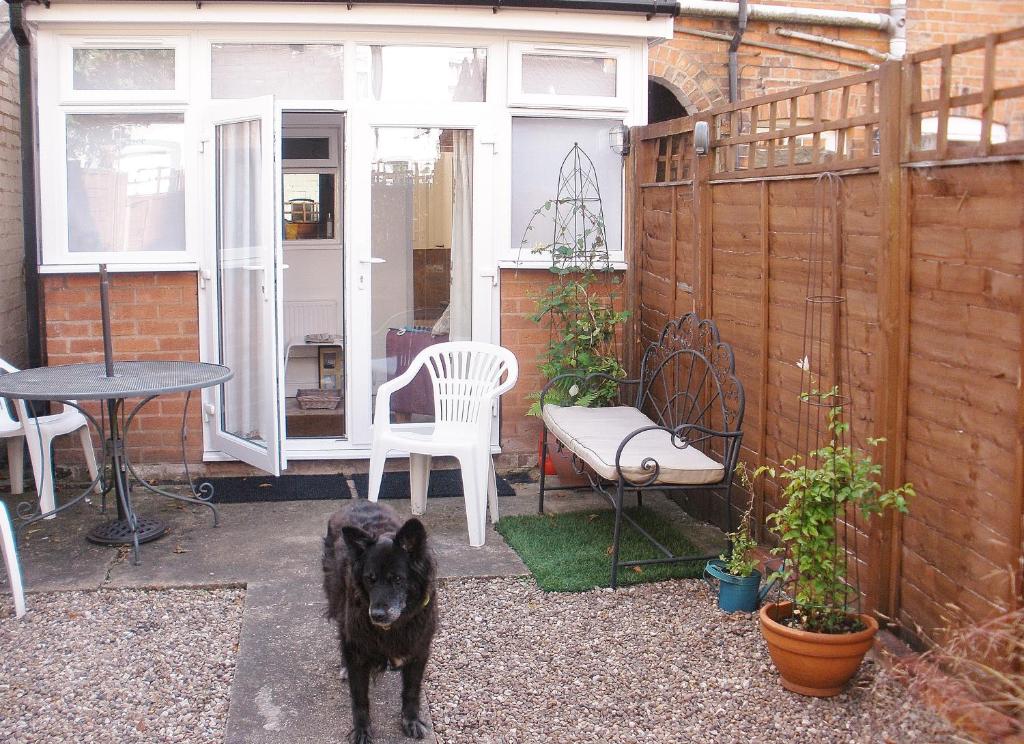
786,14
898,29
734,45
33,300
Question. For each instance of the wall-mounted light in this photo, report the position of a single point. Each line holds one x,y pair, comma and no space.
618,139
701,137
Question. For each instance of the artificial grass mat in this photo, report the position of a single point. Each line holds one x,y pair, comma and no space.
571,551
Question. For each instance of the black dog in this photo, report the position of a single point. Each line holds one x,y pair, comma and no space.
379,581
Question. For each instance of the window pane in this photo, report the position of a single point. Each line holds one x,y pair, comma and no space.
311,71
421,218
123,69
557,75
125,182
421,73
309,206
306,148
539,145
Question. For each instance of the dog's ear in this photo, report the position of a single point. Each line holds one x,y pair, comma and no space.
412,537
358,541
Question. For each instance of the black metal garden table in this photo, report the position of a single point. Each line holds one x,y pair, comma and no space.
114,383
73,383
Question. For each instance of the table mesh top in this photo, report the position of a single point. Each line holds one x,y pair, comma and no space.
130,380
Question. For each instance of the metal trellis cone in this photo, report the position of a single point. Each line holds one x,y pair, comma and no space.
579,241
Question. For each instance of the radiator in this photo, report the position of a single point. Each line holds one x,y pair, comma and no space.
302,317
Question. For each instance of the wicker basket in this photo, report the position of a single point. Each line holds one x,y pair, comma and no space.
324,399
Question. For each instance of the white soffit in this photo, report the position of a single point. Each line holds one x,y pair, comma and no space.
220,12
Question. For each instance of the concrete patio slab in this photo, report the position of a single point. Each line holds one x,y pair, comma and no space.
286,687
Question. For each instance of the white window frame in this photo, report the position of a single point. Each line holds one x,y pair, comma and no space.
57,100
623,71
510,257
54,201
178,94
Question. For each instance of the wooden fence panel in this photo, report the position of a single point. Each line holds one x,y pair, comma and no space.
933,273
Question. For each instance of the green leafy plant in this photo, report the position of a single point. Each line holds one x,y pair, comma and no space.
739,558
818,489
578,307
583,325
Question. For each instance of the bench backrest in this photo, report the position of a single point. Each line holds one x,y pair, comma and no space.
688,376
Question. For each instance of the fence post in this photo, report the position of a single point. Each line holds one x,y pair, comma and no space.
633,209
702,225
884,564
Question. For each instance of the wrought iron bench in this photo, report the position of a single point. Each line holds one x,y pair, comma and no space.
679,430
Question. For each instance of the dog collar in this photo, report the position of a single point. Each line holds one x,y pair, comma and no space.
426,601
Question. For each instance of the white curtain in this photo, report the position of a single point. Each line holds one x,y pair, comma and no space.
239,257
461,300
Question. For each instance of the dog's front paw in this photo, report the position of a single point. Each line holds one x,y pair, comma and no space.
361,736
414,728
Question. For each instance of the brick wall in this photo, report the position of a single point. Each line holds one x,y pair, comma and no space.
696,68
520,434
12,281
153,316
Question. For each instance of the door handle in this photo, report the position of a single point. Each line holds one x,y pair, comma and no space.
373,260
263,280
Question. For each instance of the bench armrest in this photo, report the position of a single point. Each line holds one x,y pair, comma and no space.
681,438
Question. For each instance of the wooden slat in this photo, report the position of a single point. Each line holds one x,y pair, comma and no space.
793,116
819,125
796,170
911,96
663,129
969,99
773,115
844,111
987,90
945,75
803,90
816,141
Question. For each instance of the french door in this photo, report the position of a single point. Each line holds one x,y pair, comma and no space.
242,174
421,250
418,268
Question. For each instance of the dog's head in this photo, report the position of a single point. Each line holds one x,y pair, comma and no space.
391,573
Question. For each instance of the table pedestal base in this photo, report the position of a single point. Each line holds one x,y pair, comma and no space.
119,531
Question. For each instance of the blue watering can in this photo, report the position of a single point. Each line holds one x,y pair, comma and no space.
736,593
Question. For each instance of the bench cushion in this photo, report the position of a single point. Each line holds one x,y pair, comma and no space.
594,435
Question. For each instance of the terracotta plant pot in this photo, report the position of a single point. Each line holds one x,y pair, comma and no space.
816,664
559,464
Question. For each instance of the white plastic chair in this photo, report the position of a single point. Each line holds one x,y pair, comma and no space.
11,560
467,378
40,432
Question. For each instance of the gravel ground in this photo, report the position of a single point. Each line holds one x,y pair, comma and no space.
119,666
652,663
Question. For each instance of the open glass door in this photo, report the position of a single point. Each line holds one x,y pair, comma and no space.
243,174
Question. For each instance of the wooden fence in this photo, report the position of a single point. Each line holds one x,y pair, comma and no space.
931,236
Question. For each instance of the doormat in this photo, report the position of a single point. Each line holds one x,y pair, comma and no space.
395,485
241,490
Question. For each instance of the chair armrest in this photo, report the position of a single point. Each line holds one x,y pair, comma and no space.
382,408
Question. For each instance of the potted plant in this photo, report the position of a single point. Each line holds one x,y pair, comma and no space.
817,640
578,306
739,581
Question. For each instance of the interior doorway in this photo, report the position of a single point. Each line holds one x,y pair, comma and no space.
314,337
